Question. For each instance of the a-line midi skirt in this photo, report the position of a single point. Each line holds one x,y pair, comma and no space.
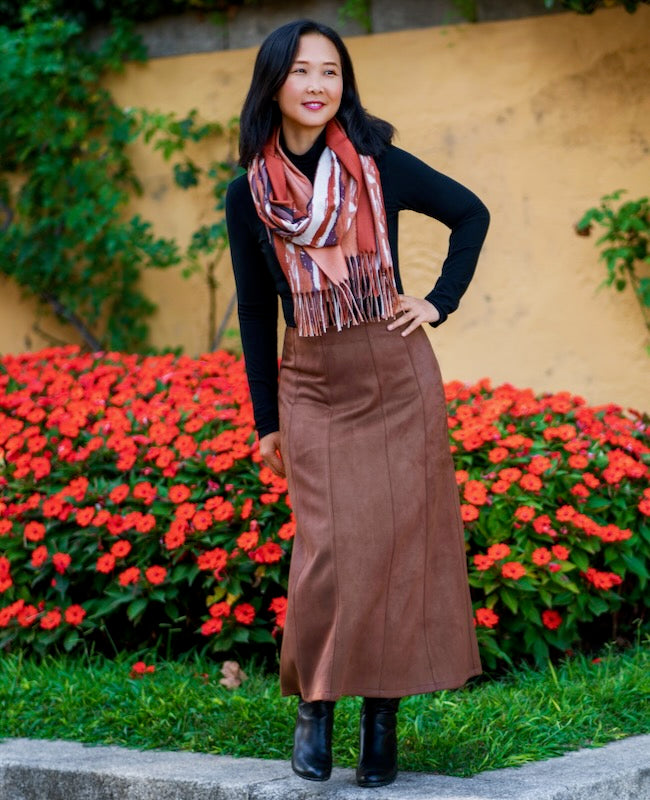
378,602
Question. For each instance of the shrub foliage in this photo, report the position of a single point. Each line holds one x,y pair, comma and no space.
134,510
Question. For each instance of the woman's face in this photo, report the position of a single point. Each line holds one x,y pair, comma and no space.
311,93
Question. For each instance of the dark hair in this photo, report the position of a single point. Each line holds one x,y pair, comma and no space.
260,114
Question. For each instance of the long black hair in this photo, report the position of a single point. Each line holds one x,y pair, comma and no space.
261,115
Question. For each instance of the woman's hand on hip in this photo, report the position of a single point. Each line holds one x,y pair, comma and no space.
416,312
270,452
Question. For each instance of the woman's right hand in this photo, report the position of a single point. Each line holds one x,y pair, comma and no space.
270,452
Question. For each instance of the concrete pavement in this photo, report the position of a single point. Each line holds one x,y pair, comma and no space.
34,769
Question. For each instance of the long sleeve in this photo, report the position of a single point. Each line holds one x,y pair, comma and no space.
257,303
411,184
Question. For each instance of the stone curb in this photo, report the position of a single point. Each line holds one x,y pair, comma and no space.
36,769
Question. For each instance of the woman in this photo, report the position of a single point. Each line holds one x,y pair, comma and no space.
378,602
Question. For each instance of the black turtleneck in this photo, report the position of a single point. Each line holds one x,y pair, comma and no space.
407,183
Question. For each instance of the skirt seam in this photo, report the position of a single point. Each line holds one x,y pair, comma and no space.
392,508
332,515
425,583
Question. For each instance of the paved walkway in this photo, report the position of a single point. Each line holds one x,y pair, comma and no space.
35,769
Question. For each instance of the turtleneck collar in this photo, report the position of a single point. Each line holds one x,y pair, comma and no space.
307,162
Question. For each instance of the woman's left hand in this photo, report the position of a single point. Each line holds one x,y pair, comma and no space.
416,312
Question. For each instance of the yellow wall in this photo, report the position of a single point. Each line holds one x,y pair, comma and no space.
540,117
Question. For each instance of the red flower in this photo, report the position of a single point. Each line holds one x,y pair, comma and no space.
213,559
129,575
144,491
247,507
5,526
551,619
498,454
74,615
268,553
27,615
178,493
34,531
61,562
244,613
542,524
119,493
202,520
279,607
462,475
39,556
475,493
541,556
155,574
498,551
513,570
140,668
539,464
486,617
175,537
145,523
248,540
221,609
52,619
578,461
121,548
530,483
565,513
525,513
288,530
105,563
560,552
482,562
211,626
468,513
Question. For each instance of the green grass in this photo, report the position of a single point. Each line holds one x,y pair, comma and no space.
525,716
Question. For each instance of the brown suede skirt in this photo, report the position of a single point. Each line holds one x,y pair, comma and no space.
378,602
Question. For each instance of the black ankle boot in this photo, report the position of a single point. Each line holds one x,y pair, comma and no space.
378,742
312,741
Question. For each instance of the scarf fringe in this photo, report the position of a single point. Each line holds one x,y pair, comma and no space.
370,295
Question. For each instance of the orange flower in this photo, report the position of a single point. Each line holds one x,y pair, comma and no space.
565,513
185,511
498,454
145,523
603,580
590,480
155,574
542,524
34,531
578,461
129,575
486,617
551,619
530,483
468,513
500,487
5,527
144,491
510,474
498,551
475,493
482,562
244,613
178,493
84,516
462,475
288,530
539,464
525,513
513,570
248,540
140,668
74,615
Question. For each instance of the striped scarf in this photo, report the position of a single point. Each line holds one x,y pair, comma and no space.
331,239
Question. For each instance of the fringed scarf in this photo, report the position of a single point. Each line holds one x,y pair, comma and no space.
331,239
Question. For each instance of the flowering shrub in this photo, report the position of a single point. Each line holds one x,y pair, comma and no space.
134,508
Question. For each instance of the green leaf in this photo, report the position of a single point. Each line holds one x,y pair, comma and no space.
136,608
